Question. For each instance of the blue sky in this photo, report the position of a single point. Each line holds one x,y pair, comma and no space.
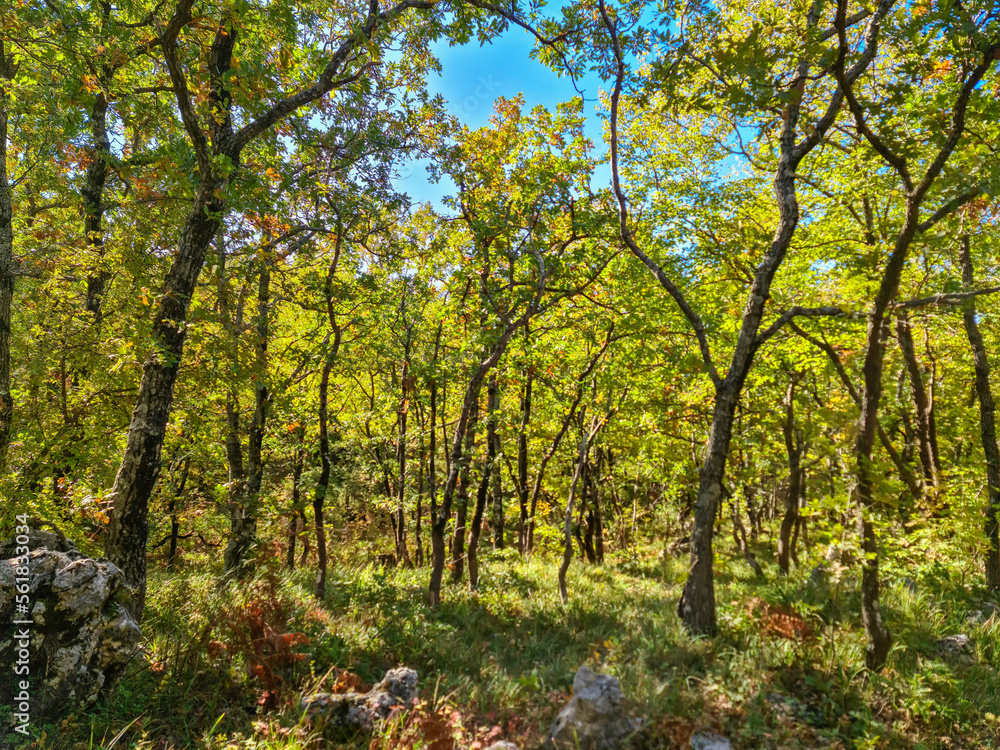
471,79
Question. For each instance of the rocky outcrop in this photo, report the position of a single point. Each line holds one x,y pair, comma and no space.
66,622
361,711
954,646
709,741
595,718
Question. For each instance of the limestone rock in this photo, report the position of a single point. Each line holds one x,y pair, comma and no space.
982,616
363,710
954,645
79,637
709,741
594,718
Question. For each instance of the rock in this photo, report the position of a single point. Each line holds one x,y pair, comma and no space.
363,710
982,616
594,718
503,745
709,741
954,645
976,617
79,637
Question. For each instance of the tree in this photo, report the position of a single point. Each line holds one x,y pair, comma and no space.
217,145
789,108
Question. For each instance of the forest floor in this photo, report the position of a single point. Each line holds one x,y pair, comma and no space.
499,663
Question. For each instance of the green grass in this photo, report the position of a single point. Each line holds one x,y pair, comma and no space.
505,657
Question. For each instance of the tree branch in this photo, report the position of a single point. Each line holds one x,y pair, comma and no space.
327,81
795,312
948,208
626,234
946,298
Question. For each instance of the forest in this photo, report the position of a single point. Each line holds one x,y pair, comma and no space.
670,425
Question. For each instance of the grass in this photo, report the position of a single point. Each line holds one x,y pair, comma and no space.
500,662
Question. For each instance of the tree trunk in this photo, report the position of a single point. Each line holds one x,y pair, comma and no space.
293,534
897,460
568,518
128,527
987,423
697,605
477,520
456,463
490,468
462,509
304,526
494,449
418,514
437,542
323,482
567,420
740,537
793,448
6,264
92,193
243,519
595,504
921,402
293,518
402,553
879,638
522,460
175,526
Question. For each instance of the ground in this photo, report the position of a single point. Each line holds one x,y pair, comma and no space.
224,668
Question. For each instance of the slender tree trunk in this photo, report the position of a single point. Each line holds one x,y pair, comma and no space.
568,518
793,448
490,469
243,519
418,515
293,518
175,525
879,638
494,449
304,526
462,509
402,553
7,70
596,507
93,203
522,460
921,401
898,460
437,535
323,483
477,519
456,462
740,537
987,423
293,534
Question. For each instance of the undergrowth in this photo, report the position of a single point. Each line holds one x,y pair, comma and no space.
224,667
